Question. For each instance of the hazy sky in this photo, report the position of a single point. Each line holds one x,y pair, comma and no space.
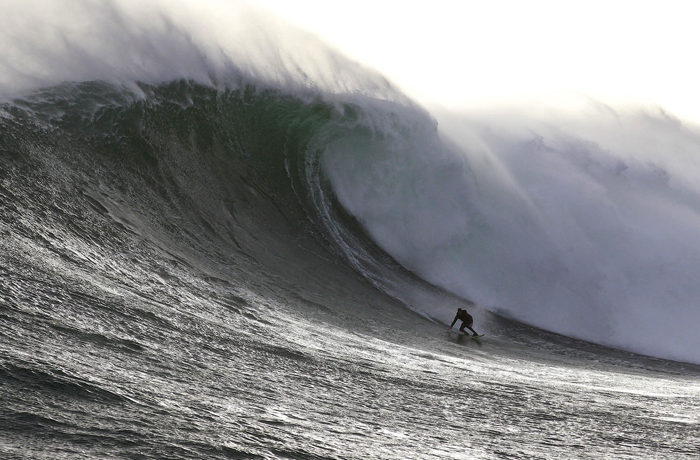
459,53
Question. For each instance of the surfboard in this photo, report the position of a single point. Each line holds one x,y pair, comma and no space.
473,337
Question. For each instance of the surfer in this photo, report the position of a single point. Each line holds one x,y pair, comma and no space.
467,321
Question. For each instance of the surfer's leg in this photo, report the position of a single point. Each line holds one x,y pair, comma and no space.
469,325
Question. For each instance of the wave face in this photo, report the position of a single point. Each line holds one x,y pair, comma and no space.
212,172
586,229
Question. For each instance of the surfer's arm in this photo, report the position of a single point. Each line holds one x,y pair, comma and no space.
453,322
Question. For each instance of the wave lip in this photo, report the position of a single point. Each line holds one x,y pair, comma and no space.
219,44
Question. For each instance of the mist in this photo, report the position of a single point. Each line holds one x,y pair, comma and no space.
585,224
217,43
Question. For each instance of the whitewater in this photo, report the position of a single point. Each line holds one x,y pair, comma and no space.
221,238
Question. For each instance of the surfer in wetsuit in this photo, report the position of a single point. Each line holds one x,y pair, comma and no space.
467,321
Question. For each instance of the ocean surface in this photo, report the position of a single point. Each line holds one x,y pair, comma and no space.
250,268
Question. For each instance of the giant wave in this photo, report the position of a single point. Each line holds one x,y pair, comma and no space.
584,228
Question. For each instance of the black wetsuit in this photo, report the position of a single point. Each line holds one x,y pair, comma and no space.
466,318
